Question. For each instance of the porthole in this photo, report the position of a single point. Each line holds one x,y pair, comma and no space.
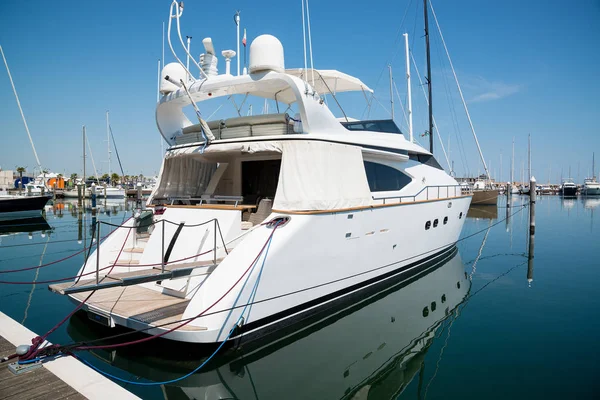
445,220
427,225
435,223
458,285
425,311
433,306
460,215
444,298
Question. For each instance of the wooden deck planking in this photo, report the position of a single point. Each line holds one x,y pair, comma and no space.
129,301
38,383
134,301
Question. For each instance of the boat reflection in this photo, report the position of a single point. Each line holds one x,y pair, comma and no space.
483,212
29,225
568,202
370,349
591,202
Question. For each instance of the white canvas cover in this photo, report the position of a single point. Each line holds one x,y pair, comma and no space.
183,177
330,80
321,176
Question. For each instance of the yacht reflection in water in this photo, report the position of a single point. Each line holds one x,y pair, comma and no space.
369,349
25,225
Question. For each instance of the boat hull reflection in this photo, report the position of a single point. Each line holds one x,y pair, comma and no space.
372,347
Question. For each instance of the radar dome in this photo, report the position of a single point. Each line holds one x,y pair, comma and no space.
266,54
174,71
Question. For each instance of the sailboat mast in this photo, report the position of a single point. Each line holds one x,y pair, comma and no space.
529,155
425,7
108,143
84,157
21,110
512,161
391,90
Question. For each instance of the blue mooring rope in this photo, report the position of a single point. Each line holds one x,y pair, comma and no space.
205,361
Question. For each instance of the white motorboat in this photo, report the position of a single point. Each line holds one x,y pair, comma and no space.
261,221
591,187
408,317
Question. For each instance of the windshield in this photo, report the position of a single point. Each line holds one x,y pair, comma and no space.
387,126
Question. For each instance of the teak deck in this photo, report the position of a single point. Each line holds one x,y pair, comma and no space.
38,383
139,303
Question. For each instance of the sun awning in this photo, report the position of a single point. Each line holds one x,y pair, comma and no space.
330,80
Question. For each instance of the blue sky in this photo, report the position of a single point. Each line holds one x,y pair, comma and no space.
526,67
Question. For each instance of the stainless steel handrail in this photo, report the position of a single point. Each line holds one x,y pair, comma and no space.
462,191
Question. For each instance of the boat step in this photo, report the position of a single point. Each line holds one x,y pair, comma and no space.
134,250
132,278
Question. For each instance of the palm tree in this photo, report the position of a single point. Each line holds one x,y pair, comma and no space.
73,179
114,177
20,170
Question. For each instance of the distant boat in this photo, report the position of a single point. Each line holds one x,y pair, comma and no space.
568,188
484,194
591,187
16,207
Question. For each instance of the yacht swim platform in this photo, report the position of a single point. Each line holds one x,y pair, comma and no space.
137,303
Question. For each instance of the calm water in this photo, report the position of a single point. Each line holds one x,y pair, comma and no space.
485,324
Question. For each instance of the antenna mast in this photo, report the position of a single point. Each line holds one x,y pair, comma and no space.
425,6
409,92
236,18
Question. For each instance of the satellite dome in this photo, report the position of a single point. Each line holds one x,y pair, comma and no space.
266,54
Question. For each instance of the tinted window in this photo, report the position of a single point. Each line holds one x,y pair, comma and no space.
383,178
387,126
425,159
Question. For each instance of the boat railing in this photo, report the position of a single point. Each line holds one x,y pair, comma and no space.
429,193
166,270
204,199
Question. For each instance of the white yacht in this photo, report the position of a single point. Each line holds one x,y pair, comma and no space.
261,221
591,187
380,343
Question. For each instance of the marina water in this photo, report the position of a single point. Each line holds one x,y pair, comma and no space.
488,322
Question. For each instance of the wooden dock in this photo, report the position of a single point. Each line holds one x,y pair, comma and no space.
39,383
61,378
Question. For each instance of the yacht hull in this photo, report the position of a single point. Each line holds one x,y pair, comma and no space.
21,206
485,197
591,191
314,263
569,191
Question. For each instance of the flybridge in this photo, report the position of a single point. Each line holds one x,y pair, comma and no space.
266,78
